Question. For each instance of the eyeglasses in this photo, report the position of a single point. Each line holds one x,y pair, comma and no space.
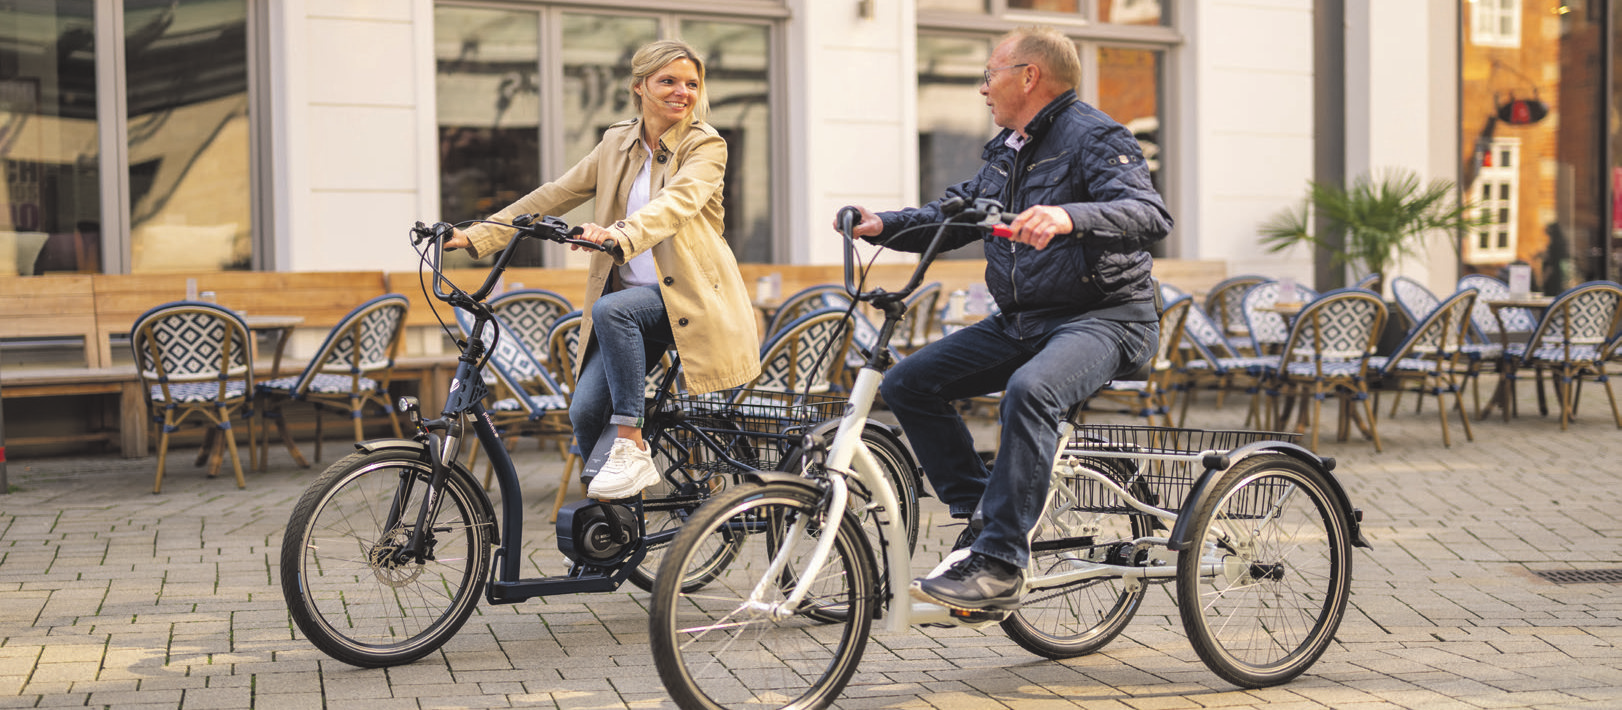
1011,66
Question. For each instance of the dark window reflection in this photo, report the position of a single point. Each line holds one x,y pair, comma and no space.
50,196
186,65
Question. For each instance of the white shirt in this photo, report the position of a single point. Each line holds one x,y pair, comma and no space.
640,269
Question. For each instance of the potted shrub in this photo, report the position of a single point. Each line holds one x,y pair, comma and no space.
1380,219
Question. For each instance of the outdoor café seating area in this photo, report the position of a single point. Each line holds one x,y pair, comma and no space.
224,366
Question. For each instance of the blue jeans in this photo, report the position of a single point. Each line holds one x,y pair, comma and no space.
1041,378
629,333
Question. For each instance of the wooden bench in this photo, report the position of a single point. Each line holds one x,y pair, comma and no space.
51,307
131,432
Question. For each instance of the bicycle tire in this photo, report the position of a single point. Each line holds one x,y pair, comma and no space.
670,502
1084,617
717,648
350,598
1283,571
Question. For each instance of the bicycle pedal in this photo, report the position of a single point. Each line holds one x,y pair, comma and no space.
975,619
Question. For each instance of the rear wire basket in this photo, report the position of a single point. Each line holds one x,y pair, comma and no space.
1110,449
749,429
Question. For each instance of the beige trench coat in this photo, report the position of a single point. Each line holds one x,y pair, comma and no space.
709,308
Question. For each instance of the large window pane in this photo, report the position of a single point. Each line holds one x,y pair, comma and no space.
953,5
597,51
50,199
488,105
953,122
1130,85
1532,112
187,98
736,57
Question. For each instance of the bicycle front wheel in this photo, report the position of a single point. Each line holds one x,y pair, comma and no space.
1083,526
1263,589
736,643
347,589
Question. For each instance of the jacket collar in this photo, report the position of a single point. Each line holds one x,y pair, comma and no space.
1038,125
672,136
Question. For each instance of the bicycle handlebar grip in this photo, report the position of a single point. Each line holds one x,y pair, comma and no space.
848,218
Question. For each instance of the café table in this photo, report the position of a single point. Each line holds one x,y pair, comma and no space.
1498,304
278,326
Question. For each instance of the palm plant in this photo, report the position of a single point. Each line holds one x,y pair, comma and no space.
1379,218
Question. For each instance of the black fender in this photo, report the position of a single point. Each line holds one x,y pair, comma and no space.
889,432
1181,533
457,469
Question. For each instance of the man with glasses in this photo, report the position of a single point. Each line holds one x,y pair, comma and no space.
1075,298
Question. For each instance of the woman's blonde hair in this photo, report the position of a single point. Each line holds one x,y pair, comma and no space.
653,56
1050,49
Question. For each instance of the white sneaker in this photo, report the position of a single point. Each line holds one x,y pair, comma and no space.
628,470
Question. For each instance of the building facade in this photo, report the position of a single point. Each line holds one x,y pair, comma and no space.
147,135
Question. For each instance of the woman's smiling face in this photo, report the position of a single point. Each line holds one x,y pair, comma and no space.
669,94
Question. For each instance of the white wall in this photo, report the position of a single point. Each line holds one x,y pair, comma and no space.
852,103
1249,95
353,112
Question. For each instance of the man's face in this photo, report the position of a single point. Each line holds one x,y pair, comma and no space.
1004,89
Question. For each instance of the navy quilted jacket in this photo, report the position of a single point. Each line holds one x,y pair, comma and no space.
1081,160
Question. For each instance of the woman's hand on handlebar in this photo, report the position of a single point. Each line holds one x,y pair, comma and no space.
458,240
868,226
1039,225
593,233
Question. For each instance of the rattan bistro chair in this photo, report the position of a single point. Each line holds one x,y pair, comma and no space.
1327,355
525,399
529,313
1154,395
1431,359
195,358
1569,344
349,372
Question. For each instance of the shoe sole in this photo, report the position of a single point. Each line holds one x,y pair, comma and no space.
917,592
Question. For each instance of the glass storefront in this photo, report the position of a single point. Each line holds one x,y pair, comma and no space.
493,68
1533,139
50,199
186,162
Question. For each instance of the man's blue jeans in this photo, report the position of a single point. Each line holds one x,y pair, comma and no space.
629,333
1041,378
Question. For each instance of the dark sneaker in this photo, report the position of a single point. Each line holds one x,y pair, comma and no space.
974,583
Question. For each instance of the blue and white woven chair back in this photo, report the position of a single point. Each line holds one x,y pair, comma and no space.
511,363
1338,327
1268,329
192,345
864,334
364,340
1440,333
1225,302
1414,299
1204,333
1515,320
563,347
530,313
1578,324
1173,322
802,355
800,303
921,314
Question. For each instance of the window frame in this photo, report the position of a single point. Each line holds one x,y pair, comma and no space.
1485,22
1494,177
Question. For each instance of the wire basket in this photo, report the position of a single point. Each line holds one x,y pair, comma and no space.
748,429
1118,452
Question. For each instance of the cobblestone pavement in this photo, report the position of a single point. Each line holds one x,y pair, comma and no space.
112,596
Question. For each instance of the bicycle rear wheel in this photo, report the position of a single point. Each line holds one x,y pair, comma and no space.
723,646
690,478
1264,588
1082,526
348,591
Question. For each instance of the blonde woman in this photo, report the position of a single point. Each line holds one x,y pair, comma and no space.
657,180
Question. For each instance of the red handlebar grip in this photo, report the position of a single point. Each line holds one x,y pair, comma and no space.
1002,230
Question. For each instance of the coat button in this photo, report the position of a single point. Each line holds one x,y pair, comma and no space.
669,280
662,158
682,322
620,224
